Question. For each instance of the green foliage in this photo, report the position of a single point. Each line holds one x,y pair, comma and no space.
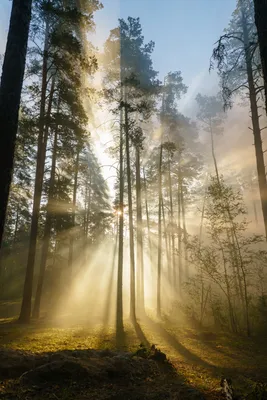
227,261
211,114
238,44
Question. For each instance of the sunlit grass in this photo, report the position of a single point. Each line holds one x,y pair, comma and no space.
201,357
42,338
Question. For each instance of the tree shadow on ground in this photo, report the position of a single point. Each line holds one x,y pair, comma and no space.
174,342
140,334
207,338
215,346
190,357
11,331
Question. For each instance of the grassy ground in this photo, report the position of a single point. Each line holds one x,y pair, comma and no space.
200,358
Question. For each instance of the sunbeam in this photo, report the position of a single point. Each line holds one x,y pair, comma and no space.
133,202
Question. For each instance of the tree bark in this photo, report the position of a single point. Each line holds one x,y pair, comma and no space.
229,296
47,232
74,196
165,230
179,233
139,235
200,269
260,20
173,257
213,153
159,235
10,94
87,217
184,231
148,220
119,315
25,312
130,211
260,9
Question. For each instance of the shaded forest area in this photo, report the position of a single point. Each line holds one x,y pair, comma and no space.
153,286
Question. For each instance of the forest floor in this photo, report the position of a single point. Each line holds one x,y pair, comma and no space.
198,361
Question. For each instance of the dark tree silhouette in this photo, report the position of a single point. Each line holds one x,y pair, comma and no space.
260,10
10,93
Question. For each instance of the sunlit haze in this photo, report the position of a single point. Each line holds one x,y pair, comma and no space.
133,202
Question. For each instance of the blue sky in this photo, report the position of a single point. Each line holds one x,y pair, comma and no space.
184,32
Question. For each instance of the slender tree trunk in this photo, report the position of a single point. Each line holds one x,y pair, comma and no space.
165,230
88,206
25,312
201,272
202,219
159,236
259,157
260,6
140,255
87,217
173,258
185,232
169,252
75,187
130,210
85,210
213,153
47,232
229,296
243,272
228,235
85,225
180,235
119,316
148,220
236,272
10,94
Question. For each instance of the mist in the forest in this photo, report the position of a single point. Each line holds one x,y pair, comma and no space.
150,173
133,201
